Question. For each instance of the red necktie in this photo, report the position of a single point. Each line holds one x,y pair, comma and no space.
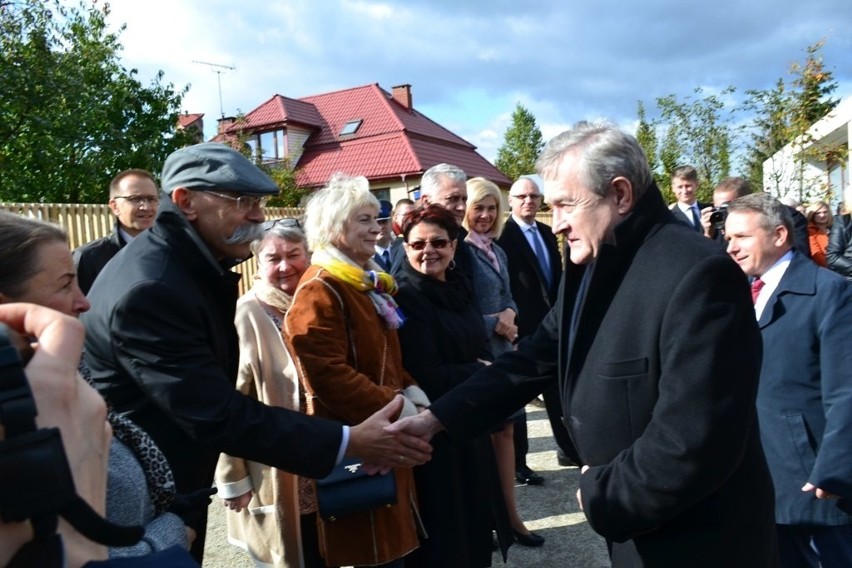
756,287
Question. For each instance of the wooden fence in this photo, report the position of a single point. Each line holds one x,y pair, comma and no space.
87,222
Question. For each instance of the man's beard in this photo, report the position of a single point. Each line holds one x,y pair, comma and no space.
245,233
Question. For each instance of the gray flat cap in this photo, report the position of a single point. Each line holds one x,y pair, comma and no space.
213,166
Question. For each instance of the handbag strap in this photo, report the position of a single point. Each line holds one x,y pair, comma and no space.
310,395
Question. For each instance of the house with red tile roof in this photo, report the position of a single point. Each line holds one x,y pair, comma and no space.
360,131
194,123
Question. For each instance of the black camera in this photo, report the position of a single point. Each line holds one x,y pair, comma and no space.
718,216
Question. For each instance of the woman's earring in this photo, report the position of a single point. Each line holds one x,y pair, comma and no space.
452,264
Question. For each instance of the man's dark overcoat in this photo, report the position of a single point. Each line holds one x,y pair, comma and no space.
529,285
90,258
805,399
162,348
658,386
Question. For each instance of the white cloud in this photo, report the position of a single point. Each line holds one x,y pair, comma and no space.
470,62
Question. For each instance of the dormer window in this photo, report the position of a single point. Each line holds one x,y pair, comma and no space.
351,127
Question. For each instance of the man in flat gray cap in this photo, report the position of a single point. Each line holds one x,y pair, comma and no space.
162,347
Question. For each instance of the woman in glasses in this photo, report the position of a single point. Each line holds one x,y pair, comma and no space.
484,219
264,505
444,343
342,328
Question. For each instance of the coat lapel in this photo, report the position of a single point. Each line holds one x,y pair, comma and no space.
799,278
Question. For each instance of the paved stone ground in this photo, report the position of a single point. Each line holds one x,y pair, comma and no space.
550,510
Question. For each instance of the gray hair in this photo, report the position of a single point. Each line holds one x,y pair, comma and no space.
289,234
330,207
606,152
22,240
772,212
432,177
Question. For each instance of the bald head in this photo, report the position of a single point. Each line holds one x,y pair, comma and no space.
525,200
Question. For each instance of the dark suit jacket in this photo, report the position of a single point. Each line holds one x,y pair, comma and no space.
529,286
688,222
90,258
658,388
162,349
805,397
381,261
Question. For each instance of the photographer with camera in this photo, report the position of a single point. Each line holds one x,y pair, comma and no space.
713,218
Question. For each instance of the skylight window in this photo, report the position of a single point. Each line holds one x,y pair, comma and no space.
351,127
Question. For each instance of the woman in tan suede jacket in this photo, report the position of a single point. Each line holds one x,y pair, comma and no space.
342,329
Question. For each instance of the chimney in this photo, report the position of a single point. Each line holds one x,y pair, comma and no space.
224,123
402,95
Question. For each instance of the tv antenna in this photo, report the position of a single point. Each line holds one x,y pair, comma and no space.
218,69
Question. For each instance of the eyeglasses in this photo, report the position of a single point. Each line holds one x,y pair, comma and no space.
530,196
285,222
244,202
437,244
139,200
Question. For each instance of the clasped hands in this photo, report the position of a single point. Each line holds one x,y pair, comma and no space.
505,326
383,444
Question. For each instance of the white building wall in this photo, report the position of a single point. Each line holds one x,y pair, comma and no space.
784,174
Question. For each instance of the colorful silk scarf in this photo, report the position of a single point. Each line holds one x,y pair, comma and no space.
378,285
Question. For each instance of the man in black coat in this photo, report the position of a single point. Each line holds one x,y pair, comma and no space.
535,268
133,199
162,346
657,355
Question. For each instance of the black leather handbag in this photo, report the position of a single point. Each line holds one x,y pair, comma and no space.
349,489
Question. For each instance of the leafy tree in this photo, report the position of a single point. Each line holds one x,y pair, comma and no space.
699,133
646,135
71,116
783,115
522,144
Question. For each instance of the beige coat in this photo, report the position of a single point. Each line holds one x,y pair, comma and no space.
269,527
351,365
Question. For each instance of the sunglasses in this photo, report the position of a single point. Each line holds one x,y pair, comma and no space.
437,244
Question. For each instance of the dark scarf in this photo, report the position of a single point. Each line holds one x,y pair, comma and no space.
455,294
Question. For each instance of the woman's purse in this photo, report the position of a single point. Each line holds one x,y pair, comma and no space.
349,489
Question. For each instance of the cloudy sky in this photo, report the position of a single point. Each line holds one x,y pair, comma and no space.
470,61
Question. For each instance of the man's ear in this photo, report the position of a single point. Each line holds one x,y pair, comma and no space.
780,236
185,200
424,200
113,206
624,199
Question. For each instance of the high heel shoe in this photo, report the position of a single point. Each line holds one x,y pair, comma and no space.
531,540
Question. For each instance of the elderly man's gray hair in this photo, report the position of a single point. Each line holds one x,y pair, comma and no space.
432,177
606,152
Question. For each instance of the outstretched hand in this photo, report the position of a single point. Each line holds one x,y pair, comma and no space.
382,448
